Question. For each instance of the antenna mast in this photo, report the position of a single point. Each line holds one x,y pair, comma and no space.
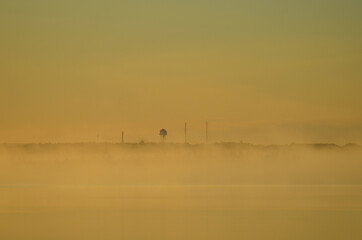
185,132
207,131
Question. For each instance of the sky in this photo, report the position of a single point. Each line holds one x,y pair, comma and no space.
265,72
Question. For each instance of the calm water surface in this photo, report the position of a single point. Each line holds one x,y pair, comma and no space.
186,196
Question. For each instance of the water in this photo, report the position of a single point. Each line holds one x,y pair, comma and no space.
83,192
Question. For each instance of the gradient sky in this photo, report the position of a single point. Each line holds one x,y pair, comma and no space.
259,71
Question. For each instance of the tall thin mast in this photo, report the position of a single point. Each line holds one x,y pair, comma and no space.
185,132
207,131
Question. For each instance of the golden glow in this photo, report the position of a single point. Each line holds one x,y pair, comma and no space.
259,71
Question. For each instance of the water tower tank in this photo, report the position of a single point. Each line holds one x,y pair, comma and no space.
163,134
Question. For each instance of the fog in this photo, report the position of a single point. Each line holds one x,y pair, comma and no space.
178,191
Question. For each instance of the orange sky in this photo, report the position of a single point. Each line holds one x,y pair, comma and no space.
262,72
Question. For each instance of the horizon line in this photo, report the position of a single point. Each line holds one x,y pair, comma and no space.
182,143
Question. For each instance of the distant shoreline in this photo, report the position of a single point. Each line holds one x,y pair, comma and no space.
178,145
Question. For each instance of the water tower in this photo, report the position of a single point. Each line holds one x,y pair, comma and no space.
163,134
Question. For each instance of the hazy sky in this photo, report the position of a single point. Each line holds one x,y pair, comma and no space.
259,71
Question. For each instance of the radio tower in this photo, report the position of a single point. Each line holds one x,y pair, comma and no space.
207,131
185,132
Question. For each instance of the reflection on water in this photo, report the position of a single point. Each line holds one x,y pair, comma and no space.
70,194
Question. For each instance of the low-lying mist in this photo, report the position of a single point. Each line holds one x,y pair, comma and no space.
180,191
178,164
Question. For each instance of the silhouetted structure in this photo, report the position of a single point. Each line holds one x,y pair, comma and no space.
185,132
163,134
207,131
